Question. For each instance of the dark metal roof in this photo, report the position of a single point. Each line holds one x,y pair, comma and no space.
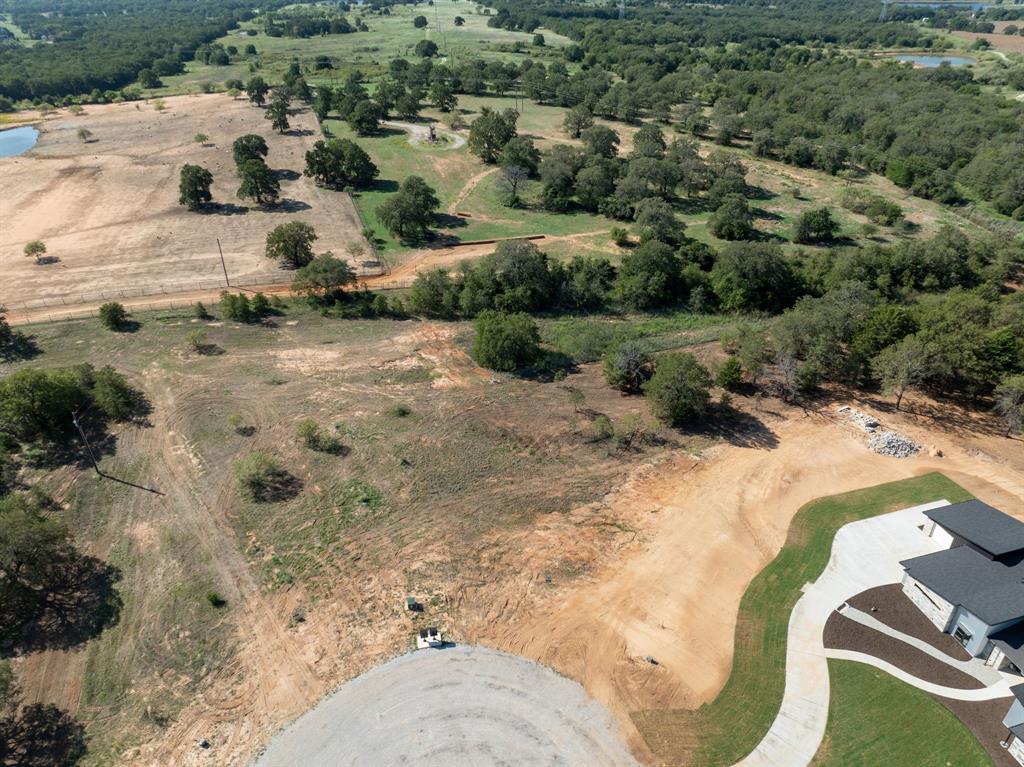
991,590
984,526
1017,690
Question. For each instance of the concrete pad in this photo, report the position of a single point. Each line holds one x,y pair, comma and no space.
457,707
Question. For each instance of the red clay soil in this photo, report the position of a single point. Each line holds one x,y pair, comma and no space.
889,605
842,633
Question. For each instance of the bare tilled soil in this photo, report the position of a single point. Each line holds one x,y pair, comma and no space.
108,211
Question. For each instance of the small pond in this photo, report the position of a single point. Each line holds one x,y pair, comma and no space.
930,62
15,141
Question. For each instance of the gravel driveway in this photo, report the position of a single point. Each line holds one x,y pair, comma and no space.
457,707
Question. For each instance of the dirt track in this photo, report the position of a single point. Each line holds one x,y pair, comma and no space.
108,210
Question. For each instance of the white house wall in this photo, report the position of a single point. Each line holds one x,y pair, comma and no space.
1016,750
940,535
935,608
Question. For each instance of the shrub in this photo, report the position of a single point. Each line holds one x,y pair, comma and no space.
627,367
215,599
602,428
815,226
200,312
679,389
113,315
262,479
504,341
309,432
236,307
399,411
112,395
730,374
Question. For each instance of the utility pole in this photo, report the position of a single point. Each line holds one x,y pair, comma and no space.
85,441
222,264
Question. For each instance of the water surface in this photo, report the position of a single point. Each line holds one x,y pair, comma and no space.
930,62
15,141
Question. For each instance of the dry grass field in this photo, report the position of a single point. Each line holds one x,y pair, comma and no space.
108,209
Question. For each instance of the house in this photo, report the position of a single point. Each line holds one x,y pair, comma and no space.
429,637
974,587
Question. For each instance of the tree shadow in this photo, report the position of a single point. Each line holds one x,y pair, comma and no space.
77,601
128,326
47,260
285,174
208,350
298,132
276,486
448,221
19,347
40,735
738,428
766,215
759,193
288,205
224,209
383,185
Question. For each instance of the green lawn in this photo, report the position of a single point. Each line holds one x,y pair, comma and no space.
874,719
724,731
389,37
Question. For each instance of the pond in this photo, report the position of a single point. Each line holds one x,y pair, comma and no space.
15,141
930,62
947,4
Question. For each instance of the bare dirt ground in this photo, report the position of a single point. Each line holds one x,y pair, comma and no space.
655,566
108,209
1006,43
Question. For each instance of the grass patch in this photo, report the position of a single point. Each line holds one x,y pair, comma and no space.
874,719
726,730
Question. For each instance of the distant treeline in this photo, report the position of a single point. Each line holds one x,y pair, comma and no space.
89,45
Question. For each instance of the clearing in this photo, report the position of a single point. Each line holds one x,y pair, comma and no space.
108,209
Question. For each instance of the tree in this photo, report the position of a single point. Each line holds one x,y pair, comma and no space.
201,139
752,276
600,140
815,226
627,367
730,374
901,366
277,112
649,141
649,277
419,22
194,186
112,395
489,133
257,90
538,40
656,220
425,49
339,163
733,219
407,105
84,134
520,152
409,212
458,21
291,244
258,182
365,117
577,120
35,249
679,390
1009,396
248,147
442,96
512,178
323,277
113,315
434,294
505,342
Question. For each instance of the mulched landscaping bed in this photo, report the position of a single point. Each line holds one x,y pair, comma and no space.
841,633
896,611
985,720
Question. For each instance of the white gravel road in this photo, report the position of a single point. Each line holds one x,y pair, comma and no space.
455,707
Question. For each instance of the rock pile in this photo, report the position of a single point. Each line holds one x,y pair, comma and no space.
882,442
891,443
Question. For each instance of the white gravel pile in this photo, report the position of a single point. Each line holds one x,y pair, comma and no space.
893,444
862,419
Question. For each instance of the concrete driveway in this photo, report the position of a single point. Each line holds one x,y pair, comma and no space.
456,707
865,554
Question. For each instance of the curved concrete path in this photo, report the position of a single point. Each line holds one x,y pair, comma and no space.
865,554
455,707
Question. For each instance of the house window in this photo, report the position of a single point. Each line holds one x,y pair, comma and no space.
962,635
